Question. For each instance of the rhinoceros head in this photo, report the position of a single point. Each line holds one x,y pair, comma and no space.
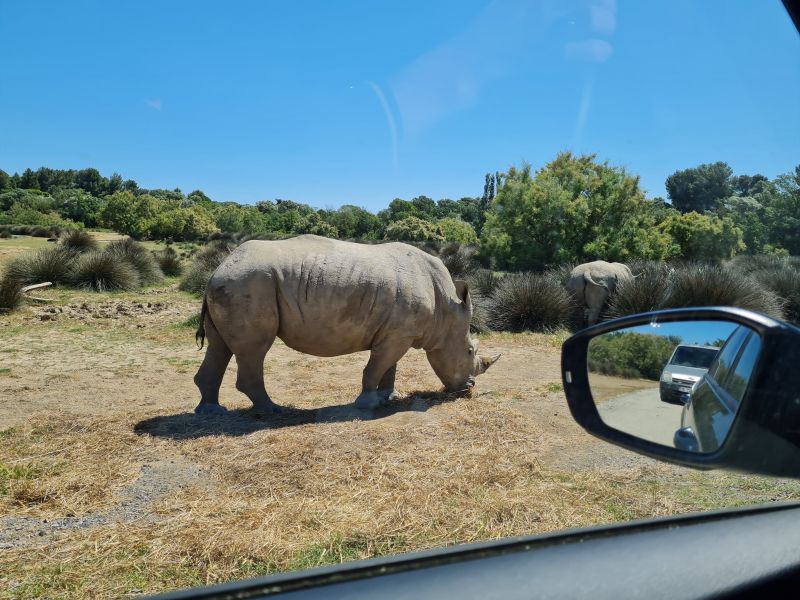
455,360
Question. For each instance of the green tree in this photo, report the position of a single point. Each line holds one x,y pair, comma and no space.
703,237
413,229
129,214
456,230
574,209
700,188
783,212
5,181
397,210
90,180
354,222
749,215
29,180
80,206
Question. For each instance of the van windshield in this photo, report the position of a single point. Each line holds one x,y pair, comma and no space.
686,356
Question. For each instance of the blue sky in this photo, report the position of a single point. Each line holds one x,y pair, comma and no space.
360,102
690,332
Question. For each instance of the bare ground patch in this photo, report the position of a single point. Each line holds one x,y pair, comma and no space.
110,485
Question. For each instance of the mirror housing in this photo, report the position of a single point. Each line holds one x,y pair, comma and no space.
765,435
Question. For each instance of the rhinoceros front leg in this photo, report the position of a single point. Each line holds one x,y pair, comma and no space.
380,369
250,381
386,385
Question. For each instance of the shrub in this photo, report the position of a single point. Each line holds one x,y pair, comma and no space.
529,301
139,257
483,282
10,294
77,240
103,271
785,283
707,285
643,293
5,234
458,259
205,263
169,261
39,266
748,265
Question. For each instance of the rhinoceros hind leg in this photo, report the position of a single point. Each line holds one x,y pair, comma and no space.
250,381
209,375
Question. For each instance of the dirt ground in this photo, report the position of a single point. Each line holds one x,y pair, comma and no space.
110,486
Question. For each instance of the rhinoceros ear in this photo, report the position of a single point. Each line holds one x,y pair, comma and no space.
462,291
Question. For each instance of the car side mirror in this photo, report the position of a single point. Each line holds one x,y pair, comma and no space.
704,387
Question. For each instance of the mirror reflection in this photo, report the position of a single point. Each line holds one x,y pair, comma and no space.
677,384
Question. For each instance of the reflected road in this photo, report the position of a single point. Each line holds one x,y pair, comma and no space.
642,414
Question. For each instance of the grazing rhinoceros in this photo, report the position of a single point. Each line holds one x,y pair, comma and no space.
327,298
592,283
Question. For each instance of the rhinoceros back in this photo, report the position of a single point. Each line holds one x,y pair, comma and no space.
327,297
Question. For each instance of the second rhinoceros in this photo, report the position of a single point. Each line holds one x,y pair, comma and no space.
594,282
327,298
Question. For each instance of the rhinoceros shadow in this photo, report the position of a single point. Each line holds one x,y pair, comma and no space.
238,422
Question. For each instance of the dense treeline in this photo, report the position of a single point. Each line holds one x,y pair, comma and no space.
575,208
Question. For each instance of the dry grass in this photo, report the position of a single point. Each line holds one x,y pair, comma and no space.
99,438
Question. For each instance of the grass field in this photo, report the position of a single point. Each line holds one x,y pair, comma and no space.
110,486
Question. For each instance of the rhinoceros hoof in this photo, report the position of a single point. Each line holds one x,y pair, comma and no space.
206,408
262,410
369,400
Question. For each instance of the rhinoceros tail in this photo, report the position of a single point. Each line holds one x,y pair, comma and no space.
200,335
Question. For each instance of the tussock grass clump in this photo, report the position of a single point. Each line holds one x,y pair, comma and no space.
169,261
644,293
459,260
748,265
103,271
10,294
139,257
48,264
205,263
708,285
529,301
483,282
77,240
785,283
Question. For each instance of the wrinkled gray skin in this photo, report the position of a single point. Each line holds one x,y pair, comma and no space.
327,298
592,283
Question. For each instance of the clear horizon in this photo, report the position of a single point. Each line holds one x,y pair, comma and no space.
331,105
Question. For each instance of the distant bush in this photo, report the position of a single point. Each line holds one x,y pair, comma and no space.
784,282
631,355
5,234
169,261
413,229
139,257
708,285
644,293
103,271
39,266
529,301
205,263
77,240
10,294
